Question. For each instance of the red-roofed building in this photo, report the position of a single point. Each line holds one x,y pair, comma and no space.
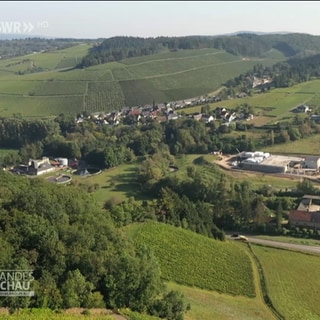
307,215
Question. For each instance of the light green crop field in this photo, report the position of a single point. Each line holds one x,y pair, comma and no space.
195,260
275,104
309,242
47,314
208,305
119,183
65,58
293,282
161,77
310,145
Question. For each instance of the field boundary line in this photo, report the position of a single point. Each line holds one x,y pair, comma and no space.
263,286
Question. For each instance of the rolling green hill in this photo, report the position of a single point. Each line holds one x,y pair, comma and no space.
194,260
45,84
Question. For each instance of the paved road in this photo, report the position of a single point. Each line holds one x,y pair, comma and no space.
284,245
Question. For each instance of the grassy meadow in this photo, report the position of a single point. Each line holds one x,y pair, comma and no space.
47,314
292,280
310,145
287,239
274,105
208,305
161,77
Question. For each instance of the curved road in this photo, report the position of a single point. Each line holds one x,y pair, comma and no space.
284,245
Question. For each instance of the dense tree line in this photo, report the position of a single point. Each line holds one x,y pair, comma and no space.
21,47
245,44
108,146
78,257
282,75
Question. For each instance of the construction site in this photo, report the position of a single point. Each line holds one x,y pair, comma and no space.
268,163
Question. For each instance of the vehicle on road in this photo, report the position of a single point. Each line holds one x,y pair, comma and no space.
240,237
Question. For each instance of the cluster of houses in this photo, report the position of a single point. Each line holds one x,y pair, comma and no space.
165,112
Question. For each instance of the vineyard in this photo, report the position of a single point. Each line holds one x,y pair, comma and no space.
104,96
56,88
194,260
158,78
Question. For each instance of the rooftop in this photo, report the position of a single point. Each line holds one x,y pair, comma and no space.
277,160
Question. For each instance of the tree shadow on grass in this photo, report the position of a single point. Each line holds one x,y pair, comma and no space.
128,184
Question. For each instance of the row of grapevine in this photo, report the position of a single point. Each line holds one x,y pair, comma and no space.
104,96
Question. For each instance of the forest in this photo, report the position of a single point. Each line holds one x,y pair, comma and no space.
21,47
78,257
283,75
243,44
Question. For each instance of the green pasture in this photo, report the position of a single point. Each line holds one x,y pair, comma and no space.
287,239
5,151
17,87
310,145
195,260
292,280
208,305
119,183
40,106
65,58
24,105
47,314
276,104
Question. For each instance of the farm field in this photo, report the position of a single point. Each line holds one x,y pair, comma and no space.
292,280
309,242
208,305
158,78
310,145
47,314
116,183
194,260
274,105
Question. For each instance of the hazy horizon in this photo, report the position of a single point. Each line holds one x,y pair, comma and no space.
105,19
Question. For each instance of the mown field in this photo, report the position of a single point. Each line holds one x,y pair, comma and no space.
158,78
46,314
195,260
208,305
310,145
293,282
287,239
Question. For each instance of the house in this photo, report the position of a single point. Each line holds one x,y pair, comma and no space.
172,115
307,215
207,118
197,116
311,162
38,167
303,108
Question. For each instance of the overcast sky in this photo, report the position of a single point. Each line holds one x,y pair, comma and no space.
104,19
